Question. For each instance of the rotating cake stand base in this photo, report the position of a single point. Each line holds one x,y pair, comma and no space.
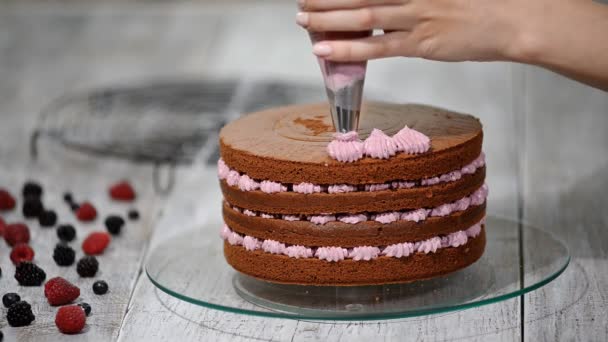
518,259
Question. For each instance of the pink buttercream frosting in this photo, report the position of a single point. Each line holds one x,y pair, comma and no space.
335,253
476,198
411,141
379,145
346,147
270,187
322,219
352,219
306,188
245,183
364,253
341,188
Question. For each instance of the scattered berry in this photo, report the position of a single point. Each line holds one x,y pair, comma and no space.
16,233
47,218
74,207
10,299
133,215
66,232
21,252
28,274
70,319
59,291
32,190
86,307
96,243
7,201
20,314
87,266
114,224
86,212
68,198
32,207
122,191
64,255
100,287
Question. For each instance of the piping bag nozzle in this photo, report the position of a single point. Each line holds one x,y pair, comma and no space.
343,83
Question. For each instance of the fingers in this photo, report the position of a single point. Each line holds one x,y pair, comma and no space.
378,17
381,46
328,5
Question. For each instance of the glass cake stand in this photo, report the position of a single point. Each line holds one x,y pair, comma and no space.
518,259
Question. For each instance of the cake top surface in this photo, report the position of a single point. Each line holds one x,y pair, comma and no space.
301,133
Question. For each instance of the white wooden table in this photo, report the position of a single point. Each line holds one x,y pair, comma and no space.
547,153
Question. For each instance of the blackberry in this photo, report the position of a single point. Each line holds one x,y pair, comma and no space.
133,215
87,266
10,299
32,190
1,336
86,307
47,218
114,224
28,274
66,232
20,314
100,287
32,207
64,255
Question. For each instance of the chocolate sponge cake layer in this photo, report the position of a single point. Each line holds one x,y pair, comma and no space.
354,202
368,233
288,144
383,270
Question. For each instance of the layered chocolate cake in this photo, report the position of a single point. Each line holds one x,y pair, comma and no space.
400,200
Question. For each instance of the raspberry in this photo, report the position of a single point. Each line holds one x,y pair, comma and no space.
96,243
122,191
28,274
59,291
16,233
70,319
66,232
47,218
87,266
7,201
21,252
2,226
86,307
86,212
32,189
10,299
114,224
100,287
20,314
63,255
32,207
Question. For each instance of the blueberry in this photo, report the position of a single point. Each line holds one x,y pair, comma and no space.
86,307
68,198
114,224
100,287
10,298
66,232
133,215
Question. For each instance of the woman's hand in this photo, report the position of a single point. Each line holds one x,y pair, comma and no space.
567,36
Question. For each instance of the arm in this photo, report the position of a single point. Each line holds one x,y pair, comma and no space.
567,36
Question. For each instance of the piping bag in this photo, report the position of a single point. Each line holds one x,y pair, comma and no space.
343,83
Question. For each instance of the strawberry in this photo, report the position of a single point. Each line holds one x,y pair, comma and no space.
86,212
16,233
59,291
21,252
96,243
70,319
7,201
122,191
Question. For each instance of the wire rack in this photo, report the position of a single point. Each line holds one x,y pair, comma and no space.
162,123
